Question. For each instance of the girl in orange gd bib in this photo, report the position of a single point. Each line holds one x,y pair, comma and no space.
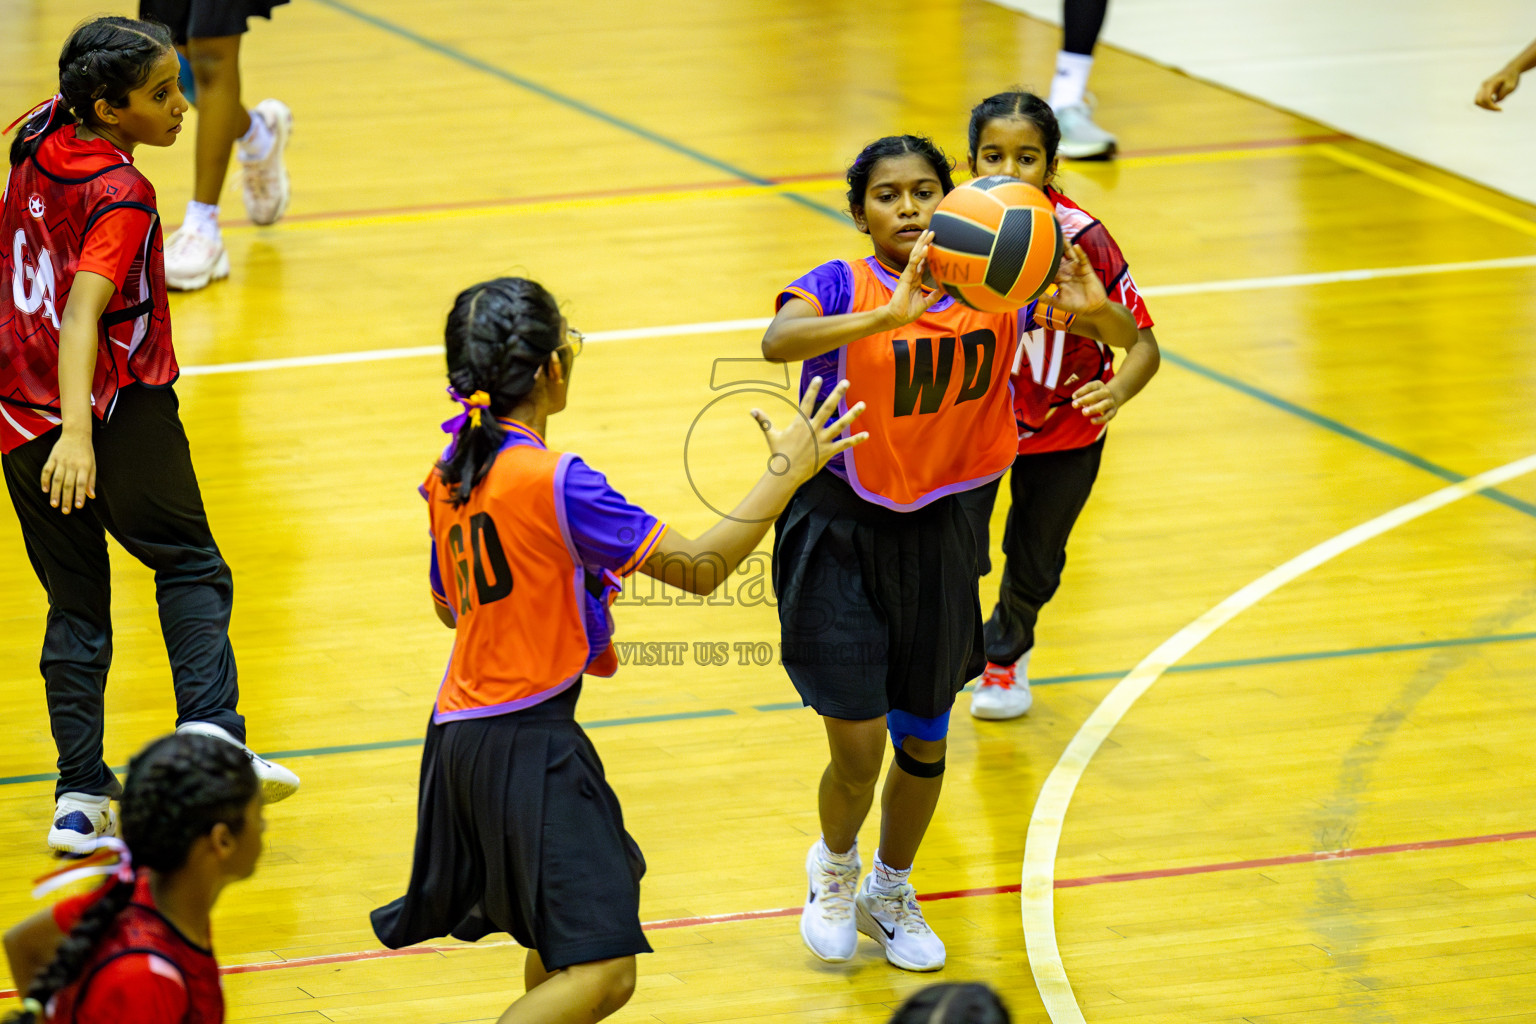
875,560
517,828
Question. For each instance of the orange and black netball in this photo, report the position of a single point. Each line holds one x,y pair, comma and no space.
996,243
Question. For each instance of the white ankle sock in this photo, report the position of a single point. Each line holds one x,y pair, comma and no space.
202,218
850,857
1071,79
257,141
885,878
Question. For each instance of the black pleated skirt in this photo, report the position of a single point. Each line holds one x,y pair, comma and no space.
206,19
878,610
518,831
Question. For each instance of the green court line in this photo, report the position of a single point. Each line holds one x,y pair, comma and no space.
680,716
1342,429
682,149
577,105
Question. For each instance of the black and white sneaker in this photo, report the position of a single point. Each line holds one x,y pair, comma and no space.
895,920
277,782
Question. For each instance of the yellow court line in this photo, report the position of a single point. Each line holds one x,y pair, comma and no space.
743,191
1424,188
1212,157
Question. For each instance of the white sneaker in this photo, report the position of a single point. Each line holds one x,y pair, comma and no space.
277,782
826,923
79,820
193,259
896,922
265,184
1081,139
1003,691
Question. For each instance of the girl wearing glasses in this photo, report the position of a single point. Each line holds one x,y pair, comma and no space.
517,829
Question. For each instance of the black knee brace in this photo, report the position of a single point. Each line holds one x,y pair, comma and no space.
919,769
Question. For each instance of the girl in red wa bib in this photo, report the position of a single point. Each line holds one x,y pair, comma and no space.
91,438
1066,389
875,560
518,830
139,949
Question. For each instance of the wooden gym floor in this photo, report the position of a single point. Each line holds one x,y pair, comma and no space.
1345,332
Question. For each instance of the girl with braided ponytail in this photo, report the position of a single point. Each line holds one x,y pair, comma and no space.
86,368
517,828
137,950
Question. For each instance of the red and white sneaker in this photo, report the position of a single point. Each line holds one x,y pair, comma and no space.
1003,691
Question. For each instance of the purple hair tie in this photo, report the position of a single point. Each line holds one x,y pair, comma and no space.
471,414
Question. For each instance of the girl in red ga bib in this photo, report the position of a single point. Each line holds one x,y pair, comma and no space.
875,561
91,437
1066,390
138,950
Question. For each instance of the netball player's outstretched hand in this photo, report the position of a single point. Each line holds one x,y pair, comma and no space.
797,448
1077,289
909,301
801,447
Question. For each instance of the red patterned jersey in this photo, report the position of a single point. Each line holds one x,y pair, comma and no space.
1051,365
143,970
78,205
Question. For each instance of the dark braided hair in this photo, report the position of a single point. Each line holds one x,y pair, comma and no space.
1020,104
104,58
967,1003
500,333
178,788
895,145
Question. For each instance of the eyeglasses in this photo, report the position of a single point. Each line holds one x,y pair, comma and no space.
575,341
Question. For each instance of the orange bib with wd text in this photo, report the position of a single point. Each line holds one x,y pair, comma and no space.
938,403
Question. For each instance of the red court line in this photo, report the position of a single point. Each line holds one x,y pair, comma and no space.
1296,858
988,890
555,197
505,202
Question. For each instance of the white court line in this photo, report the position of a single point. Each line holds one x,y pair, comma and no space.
1037,894
758,324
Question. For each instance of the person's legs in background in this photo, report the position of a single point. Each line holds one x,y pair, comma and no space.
1081,139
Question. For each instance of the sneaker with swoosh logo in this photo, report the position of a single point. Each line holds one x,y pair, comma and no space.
895,920
826,923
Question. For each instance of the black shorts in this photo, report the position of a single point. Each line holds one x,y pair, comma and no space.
517,831
206,19
878,610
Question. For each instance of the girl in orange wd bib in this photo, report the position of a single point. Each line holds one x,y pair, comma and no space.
875,562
